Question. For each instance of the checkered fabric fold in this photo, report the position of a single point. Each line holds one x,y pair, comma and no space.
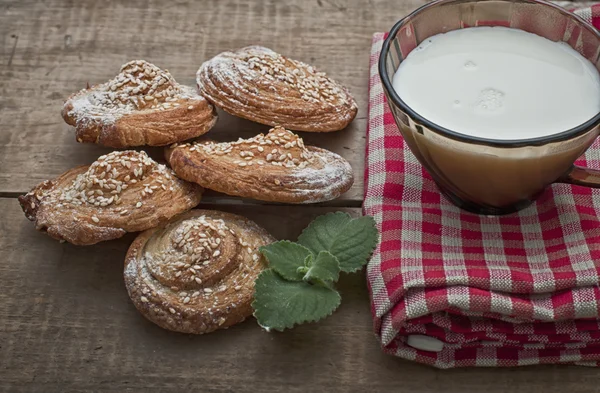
510,290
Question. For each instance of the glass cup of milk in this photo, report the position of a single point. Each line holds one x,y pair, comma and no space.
496,99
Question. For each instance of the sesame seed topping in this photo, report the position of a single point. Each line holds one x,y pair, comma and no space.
251,151
138,86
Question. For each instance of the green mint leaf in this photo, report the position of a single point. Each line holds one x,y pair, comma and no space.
355,244
350,240
280,304
286,257
325,267
319,235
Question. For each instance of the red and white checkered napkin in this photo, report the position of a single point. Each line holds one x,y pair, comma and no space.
489,291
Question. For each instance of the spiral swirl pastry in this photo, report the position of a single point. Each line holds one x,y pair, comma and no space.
261,85
196,274
124,191
142,105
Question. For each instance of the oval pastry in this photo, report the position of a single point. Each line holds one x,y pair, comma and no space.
196,274
121,192
142,105
276,167
261,85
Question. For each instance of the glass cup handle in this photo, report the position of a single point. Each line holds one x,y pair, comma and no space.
582,176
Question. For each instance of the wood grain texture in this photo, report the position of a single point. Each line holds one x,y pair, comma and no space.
66,322
53,48
67,325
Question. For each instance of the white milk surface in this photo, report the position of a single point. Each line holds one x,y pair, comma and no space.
499,83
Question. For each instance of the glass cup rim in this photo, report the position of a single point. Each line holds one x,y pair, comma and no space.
396,100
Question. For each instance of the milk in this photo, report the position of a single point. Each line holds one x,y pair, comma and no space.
499,83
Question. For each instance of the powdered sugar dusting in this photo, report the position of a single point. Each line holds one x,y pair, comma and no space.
198,270
309,174
121,191
262,85
139,86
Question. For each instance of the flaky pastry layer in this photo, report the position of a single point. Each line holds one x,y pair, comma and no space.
277,167
261,85
142,105
196,274
121,192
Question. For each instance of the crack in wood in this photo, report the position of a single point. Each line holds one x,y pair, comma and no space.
14,48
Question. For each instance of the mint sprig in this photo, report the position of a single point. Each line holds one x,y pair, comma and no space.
280,304
325,267
299,285
350,240
286,257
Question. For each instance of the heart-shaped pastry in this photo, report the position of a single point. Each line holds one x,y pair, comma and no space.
124,191
276,167
261,85
142,105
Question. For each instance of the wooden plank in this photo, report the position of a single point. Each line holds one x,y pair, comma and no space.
53,48
67,324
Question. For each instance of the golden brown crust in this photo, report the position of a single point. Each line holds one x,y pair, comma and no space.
276,168
196,274
142,105
121,192
259,84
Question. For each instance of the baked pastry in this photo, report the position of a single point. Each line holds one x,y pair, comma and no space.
124,191
261,85
142,105
196,274
276,167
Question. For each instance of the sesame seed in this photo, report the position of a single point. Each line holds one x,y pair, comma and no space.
95,219
172,310
207,290
144,299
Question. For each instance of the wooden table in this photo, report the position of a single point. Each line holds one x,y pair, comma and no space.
66,322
